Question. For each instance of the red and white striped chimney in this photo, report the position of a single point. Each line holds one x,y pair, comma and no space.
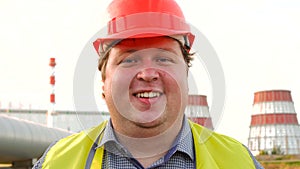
197,110
274,123
51,111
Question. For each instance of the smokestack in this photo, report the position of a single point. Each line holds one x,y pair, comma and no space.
274,125
197,111
51,110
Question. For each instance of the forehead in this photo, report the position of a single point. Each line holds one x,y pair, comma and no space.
154,42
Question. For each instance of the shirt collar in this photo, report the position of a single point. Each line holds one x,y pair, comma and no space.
111,142
108,135
182,143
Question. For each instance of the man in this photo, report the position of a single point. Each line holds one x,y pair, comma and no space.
144,61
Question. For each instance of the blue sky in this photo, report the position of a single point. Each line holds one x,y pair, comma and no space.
257,42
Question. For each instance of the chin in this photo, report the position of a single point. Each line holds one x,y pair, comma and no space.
153,124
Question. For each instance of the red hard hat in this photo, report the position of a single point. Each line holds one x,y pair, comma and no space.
144,18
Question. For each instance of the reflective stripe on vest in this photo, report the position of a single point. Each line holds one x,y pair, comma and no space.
212,151
92,154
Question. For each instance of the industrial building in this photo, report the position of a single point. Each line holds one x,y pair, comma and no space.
274,128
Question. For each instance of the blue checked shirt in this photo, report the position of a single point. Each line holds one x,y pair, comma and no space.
181,155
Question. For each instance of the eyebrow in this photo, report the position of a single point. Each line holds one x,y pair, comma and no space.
169,49
135,50
129,51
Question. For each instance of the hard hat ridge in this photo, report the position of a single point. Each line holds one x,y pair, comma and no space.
119,8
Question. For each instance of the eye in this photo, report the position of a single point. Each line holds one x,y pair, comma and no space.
129,60
164,60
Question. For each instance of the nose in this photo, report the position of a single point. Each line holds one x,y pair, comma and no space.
148,75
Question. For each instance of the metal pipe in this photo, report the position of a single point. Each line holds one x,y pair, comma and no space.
23,140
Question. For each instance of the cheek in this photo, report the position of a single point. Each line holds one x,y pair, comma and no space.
176,87
177,79
116,90
117,85
177,93
116,77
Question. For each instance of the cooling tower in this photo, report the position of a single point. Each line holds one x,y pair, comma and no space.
197,110
274,127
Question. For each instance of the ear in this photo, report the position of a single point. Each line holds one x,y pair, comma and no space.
103,89
187,79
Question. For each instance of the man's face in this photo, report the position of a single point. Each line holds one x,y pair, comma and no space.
146,82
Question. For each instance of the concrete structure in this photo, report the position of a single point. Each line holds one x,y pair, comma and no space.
198,110
274,126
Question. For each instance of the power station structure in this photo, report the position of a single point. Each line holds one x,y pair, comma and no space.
274,127
197,111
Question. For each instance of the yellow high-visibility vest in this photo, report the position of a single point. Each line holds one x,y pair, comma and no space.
212,150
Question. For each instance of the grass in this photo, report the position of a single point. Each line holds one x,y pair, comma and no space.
279,161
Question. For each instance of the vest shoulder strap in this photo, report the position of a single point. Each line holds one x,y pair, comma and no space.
72,151
214,150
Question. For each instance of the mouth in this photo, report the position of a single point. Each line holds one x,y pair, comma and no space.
147,95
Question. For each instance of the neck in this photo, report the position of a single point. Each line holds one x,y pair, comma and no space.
149,149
